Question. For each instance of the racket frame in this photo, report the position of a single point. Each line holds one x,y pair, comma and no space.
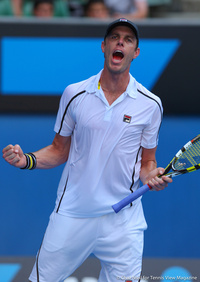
178,154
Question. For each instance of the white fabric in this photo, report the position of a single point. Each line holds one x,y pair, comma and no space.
115,239
104,153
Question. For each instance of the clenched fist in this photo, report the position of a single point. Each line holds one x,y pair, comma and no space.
14,156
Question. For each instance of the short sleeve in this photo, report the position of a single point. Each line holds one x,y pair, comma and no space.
65,121
151,131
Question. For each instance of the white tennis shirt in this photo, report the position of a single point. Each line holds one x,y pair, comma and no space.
105,155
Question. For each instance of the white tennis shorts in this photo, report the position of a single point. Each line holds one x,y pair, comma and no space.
115,239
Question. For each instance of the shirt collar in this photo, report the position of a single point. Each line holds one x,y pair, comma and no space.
93,87
131,89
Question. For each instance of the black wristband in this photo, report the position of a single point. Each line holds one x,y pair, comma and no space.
31,161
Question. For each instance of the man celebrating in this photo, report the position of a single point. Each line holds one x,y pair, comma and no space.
107,132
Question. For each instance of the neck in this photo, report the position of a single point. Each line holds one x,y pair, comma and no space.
113,85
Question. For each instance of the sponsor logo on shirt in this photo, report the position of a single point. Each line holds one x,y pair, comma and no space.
128,120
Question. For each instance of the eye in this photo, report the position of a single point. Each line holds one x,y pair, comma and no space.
129,40
114,36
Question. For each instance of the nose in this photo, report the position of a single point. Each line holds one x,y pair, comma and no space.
120,42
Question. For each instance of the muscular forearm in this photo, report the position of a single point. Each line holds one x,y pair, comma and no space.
50,157
54,154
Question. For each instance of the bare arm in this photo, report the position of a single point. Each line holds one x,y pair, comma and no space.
149,171
48,157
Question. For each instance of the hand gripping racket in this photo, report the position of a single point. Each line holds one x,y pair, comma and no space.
186,160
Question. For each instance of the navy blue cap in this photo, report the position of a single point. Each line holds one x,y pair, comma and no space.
122,22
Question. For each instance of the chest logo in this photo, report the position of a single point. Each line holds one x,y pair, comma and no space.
127,118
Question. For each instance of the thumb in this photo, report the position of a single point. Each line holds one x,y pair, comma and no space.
161,170
18,150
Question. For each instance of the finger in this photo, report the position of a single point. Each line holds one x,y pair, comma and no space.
158,184
167,179
13,159
8,153
156,180
159,187
163,185
10,156
160,171
7,148
153,183
17,149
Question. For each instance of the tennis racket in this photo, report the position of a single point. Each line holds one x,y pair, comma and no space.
186,160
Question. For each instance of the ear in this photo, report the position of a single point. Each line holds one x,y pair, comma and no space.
103,46
136,53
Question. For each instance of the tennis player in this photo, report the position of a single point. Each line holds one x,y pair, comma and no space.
107,133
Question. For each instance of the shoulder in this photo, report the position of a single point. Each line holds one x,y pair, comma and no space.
148,96
76,89
146,93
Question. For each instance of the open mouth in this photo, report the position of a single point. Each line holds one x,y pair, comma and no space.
118,55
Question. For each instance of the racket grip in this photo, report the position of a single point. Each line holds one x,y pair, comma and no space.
130,198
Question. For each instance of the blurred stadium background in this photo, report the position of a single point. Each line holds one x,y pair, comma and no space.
38,60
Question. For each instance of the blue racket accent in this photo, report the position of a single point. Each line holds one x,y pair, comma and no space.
130,198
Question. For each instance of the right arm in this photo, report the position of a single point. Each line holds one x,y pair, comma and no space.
48,157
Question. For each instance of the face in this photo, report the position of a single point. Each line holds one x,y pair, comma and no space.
120,48
44,10
97,10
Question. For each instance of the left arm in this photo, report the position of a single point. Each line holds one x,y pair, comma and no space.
149,171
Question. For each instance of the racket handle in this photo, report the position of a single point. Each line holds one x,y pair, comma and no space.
132,197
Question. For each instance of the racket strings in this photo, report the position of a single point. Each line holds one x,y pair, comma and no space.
189,158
